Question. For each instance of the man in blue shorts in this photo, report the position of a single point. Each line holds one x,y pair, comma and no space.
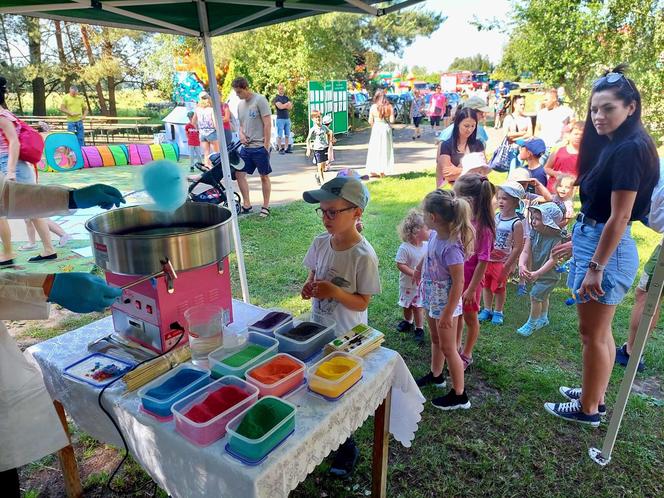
255,129
284,106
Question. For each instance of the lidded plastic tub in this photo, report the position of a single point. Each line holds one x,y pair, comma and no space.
202,416
158,396
277,376
273,321
254,433
237,360
332,376
308,335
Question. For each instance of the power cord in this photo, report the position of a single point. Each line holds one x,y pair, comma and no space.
175,326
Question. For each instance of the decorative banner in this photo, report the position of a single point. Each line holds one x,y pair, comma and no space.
331,99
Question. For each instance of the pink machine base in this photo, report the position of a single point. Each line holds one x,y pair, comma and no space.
152,316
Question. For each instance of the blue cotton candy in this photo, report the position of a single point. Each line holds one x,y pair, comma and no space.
179,381
166,183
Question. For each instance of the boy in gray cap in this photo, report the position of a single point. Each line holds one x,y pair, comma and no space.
343,272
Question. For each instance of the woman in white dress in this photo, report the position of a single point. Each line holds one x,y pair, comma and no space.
380,157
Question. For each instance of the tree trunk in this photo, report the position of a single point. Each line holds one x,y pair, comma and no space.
62,57
107,48
84,88
11,60
91,58
38,85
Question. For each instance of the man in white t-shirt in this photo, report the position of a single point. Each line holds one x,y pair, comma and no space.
552,119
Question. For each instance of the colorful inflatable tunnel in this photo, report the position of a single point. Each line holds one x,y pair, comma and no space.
63,153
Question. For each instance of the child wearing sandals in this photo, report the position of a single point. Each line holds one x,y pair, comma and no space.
536,264
414,234
441,283
506,251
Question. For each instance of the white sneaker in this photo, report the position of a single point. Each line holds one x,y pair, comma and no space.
64,240
28,247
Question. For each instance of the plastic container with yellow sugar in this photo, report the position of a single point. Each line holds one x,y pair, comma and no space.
335,374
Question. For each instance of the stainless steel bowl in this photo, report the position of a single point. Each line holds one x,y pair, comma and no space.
133,240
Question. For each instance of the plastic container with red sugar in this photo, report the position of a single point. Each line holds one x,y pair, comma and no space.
277,376
202,416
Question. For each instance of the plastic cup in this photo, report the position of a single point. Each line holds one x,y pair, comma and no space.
205,328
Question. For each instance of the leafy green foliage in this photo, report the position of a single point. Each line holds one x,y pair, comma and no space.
477,62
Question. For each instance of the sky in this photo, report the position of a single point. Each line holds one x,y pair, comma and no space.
456,37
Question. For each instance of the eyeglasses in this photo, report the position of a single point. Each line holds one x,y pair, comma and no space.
610,79
331,213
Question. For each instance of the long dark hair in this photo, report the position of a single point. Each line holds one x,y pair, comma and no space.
479,191
593,144
462,114
3,92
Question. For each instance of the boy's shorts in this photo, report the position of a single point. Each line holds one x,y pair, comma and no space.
255,158
543,287
320,156
283,127
435,296
491,276
416,121
435,120
649,269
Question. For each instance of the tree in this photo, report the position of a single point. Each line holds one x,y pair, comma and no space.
478,63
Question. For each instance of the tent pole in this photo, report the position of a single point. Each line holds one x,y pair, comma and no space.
603,456
225,163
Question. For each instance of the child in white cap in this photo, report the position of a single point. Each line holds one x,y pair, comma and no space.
536,264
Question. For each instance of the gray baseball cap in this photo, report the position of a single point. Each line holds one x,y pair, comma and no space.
342,187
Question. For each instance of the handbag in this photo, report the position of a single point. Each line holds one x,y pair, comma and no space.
501,157
31,143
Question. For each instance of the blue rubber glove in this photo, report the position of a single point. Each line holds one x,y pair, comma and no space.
100,195
82,292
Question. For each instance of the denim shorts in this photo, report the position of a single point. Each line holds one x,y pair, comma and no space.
620,270
256,158
283,127
435,296
25,172
208,136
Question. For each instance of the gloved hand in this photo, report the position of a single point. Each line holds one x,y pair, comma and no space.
98,194
82,292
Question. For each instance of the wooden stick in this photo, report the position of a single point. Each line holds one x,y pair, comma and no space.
381,448
67,459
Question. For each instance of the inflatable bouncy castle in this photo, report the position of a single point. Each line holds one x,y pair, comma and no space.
63,153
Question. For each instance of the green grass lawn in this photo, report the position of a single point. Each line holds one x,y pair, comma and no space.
506,445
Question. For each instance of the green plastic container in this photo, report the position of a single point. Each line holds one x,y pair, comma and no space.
222,362
255,449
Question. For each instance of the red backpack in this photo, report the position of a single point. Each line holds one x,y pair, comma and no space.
32,143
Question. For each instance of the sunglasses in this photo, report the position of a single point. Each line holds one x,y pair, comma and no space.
330,214
611,79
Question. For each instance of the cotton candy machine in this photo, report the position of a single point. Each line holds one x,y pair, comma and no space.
166,263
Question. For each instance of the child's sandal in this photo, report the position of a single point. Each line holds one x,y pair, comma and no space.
265,212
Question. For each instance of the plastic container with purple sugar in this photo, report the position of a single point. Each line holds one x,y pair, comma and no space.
306,336
275,320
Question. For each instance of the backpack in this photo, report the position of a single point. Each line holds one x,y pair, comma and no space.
31,142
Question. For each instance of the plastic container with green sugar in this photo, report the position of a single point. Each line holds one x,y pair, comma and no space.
238,359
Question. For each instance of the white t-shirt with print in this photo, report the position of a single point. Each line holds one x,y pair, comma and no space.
551,124
355,270
410,255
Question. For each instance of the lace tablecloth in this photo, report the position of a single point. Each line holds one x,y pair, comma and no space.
185,470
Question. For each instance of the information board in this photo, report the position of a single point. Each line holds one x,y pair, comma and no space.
331,99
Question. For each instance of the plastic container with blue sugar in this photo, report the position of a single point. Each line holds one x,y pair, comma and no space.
308,335
158,396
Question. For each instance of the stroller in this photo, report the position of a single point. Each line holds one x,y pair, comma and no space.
212,178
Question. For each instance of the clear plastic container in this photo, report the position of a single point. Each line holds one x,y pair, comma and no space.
284,385
218,369
304,350
281,325
253,451
206,433
205,328
333,389
161,407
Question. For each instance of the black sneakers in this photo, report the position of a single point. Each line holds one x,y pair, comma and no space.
419,335
430,379
452,401
405,326
574,393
